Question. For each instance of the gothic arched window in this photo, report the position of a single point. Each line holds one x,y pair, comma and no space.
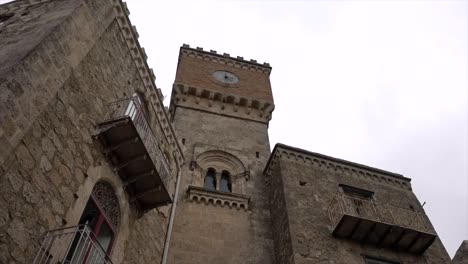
225,184
102,216
210,179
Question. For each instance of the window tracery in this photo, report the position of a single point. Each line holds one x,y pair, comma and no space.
104,194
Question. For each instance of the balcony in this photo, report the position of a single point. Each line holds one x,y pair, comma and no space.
76,244
134,152
383,225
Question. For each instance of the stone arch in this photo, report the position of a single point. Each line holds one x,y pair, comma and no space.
225,165
94,175
220,160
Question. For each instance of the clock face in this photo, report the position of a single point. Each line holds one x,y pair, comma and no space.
225,77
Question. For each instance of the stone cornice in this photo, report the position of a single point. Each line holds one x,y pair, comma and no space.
225,58
221,103
217,198
336,165
148,78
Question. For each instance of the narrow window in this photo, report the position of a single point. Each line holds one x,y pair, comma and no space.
210,179
257,155
225,185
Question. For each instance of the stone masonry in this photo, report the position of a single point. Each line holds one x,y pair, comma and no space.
461,256
208,230
64,62
227,197
303,184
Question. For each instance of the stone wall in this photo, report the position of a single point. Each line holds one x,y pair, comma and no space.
308,184
51,102
208,232
279,216
461,256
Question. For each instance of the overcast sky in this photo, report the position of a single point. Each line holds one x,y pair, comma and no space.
383,83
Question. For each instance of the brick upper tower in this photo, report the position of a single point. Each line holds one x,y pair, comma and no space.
220,109
236,86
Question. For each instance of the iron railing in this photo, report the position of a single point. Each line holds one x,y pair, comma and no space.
134,109
344,204
71,245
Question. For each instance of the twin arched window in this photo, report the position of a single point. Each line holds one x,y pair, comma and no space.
211,181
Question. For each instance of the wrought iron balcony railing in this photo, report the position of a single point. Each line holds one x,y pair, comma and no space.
134,109
382,224
343,204
71,245
135,152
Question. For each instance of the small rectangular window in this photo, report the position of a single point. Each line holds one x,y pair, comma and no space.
372,260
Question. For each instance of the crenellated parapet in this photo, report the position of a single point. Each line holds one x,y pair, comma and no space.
139,56
225,59
221,103
335,165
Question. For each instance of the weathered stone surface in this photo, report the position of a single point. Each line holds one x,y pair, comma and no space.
209,232
55,96
15,181
302,188
30,193
45,164
18,233
64,61
461,256
48,147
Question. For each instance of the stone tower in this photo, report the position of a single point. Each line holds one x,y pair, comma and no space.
220,109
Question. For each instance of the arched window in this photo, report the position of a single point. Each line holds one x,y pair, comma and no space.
102,216
225,184
210,179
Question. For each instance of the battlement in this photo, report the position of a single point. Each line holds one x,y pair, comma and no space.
337,166
225,58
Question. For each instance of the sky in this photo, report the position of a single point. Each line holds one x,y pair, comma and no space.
383,83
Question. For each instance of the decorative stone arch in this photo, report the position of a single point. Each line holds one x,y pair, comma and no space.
222,161
104,193
93,176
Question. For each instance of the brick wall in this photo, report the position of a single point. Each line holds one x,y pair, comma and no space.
198,72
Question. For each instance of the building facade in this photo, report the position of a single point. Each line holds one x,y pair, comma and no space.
95,169
85,137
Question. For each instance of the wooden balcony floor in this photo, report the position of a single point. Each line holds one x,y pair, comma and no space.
383,234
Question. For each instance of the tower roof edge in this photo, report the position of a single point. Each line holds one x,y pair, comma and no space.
200,50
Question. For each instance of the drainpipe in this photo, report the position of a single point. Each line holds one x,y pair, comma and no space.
171,219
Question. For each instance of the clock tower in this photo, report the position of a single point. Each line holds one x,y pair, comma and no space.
220,109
